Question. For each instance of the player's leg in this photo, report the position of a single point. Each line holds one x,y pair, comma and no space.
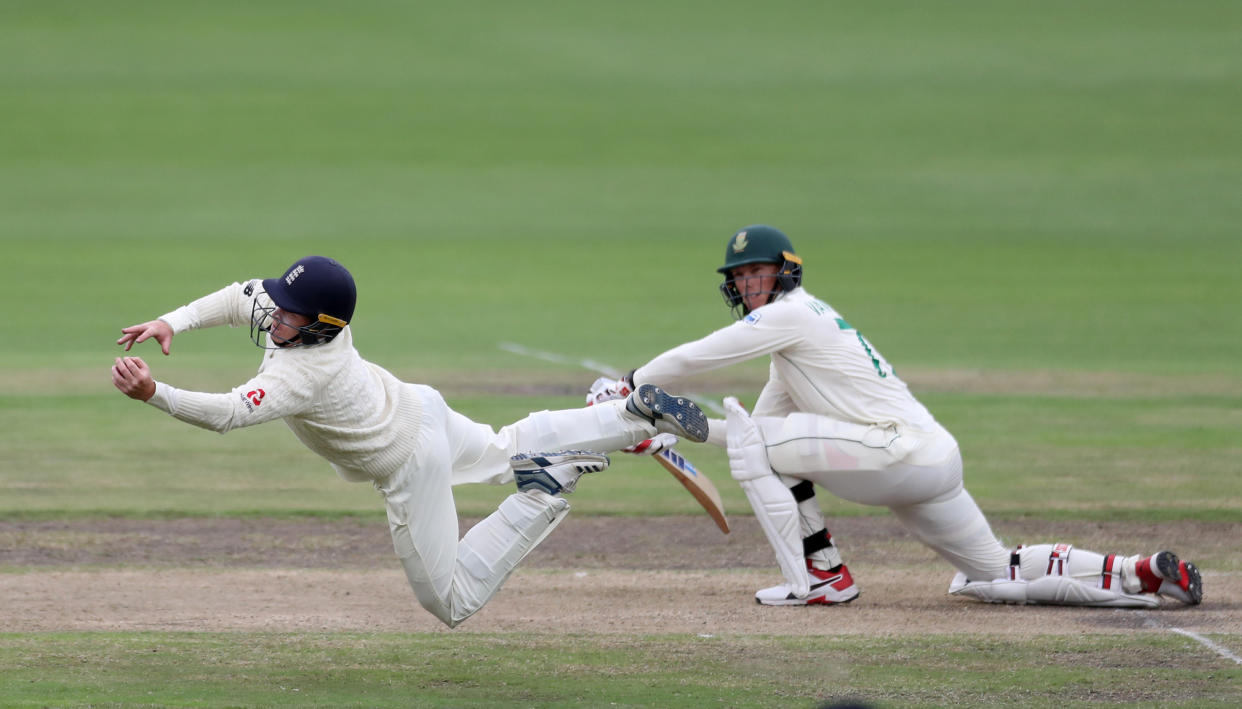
872,465
830,580
1060,574
422,519
817,544
783,514
1164,574
453,579
919,475
491,550
955,528
482,455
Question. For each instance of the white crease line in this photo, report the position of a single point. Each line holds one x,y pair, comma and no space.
1222,651
594,366
590,364
1149,622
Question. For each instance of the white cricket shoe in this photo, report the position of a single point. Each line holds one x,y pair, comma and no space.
555,473
828,588
669,414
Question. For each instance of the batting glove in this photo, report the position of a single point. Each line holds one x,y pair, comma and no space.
653,445
605,389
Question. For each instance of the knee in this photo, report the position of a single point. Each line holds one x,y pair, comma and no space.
437,606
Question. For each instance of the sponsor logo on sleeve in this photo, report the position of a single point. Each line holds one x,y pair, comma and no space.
753,317
252,399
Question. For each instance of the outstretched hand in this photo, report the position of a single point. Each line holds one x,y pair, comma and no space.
132,376
652,445
158,329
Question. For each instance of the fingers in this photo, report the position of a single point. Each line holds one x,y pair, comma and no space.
132,377
129,369
135,366
121,377
157,329
162,338
127,337
130,335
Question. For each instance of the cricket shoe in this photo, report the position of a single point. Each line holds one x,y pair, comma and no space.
828,588
669,414
1164,574
555,473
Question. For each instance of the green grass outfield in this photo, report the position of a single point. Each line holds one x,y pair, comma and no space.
1032,210
387,670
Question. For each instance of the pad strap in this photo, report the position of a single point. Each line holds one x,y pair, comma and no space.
1058,559
816,542
803,491
1015,564
1111,574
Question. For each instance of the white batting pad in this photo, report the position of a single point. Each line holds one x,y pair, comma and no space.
773,503
1048,590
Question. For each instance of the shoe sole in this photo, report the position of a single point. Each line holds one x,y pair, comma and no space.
1194,586
684,415
820,601
1171,568
537,461
1167,566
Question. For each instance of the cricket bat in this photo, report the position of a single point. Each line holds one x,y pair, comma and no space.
696,483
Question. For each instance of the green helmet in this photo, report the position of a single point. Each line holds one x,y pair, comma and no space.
759,244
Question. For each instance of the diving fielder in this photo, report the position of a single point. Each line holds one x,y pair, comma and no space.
835,414
400,437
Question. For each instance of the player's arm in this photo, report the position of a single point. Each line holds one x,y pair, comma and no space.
230,306
272,394
741,341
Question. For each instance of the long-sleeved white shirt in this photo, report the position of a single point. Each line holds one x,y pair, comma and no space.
820,365
355,414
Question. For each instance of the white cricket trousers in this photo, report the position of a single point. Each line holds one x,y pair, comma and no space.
453,579
917,474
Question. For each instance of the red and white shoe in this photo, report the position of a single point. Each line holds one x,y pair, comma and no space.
1163,573
828,588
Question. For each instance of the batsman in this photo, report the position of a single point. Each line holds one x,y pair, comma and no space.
834,414
400,437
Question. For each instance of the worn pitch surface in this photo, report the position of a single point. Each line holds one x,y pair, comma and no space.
595,574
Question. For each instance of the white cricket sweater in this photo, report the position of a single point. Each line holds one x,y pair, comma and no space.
355,414
820,365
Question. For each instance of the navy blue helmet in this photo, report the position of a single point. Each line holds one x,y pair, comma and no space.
317,287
